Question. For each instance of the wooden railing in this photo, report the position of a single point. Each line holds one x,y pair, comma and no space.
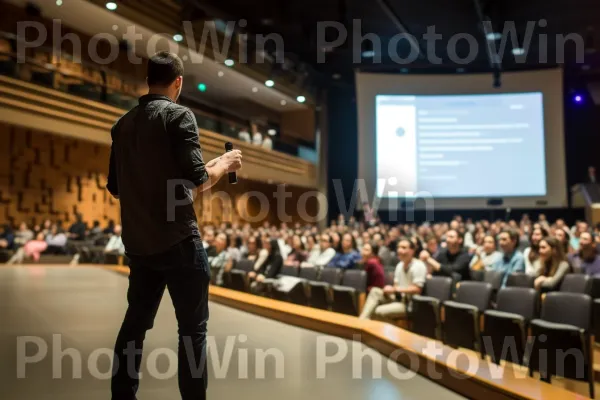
37,107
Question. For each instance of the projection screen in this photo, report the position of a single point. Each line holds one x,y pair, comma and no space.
459,141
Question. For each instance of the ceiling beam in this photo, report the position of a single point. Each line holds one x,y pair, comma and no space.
486,25
414,43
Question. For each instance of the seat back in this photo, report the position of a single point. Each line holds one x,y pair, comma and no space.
244,265
330,275
355,279
289,271
576,283
519,279
595,288
568,308
439,287
309,273
494,278
477,275
517,300
477,294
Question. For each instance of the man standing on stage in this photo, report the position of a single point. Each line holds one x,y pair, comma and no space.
155,163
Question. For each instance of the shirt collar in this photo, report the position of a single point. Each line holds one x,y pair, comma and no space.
153,96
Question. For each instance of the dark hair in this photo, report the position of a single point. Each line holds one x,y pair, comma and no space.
339,247
534,253
411,244
275,251
460,234
302,247
513,235
163,68
258,241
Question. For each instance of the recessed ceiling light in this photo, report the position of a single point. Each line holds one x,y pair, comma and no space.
220,74
336,76
111,5
178,37
272,132
368,54
59,3
229,62
269,83
202,87
301,99
283,102
404,70
518,51
460,70
254,89
493,36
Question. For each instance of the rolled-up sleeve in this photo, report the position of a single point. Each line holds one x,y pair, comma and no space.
183,130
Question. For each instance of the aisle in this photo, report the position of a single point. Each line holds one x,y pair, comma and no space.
81,308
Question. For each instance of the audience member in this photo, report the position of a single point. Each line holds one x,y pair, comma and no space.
257,137
244,135
57,241
234,243
220,262
532,253
96,230
78,229
254,245
32,249
409,279
554,265
23,235
452,261
486,255
7,237
347,256
586,260
209,237
269,269
372,266
110,228
324,256
298,254
512,260
563,237
267,143
115,243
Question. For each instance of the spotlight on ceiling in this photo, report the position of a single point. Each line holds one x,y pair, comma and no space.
202,87
254,89
283,102
518,51
178,37
491,36
111,5
229,62
220,74
269,83
59,3
368,54
301,99
578,99
272,132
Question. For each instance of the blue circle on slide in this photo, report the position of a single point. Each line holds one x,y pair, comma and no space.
400,132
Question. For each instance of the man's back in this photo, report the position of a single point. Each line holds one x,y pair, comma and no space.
155,147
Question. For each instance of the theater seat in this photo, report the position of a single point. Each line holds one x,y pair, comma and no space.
516,306
519,279
320,291
349,297
238,275
461,323
566,348
425,315
576,283
289,271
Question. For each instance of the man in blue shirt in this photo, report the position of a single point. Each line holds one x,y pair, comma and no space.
512,260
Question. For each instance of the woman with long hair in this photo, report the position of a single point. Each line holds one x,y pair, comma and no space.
564,238
298,253
486,255
554,265
347,256
372,266
269,269
532,253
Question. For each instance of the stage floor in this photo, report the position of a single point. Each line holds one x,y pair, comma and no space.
76,313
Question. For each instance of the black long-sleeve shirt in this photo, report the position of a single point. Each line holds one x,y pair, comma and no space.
155,163
272,266
451,264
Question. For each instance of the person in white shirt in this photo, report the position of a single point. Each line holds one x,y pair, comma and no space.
409,279
532,253
324,256
267,143
115,243
257,137
244,136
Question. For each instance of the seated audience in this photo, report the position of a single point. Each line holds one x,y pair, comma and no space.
564,238
257,137
298,254
554,265
347,256
234,243
244,135
512,260
57,241
23,235
220,262
267,143
96,230
254,249
269,269
110,228
325,254
312,247
78,229
209,237
115,244
452,260
586,260
432,245
486,255
409,279
7,238
532,253
372,266
32,249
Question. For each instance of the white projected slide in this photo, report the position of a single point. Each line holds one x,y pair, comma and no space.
474,145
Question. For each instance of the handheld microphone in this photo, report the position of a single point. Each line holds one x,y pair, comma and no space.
232,175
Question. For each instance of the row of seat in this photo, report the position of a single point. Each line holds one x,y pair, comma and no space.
325,288
516,329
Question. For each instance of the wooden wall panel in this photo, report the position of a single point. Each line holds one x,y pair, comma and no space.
49,176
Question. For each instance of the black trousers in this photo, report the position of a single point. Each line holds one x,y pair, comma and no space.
185,271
